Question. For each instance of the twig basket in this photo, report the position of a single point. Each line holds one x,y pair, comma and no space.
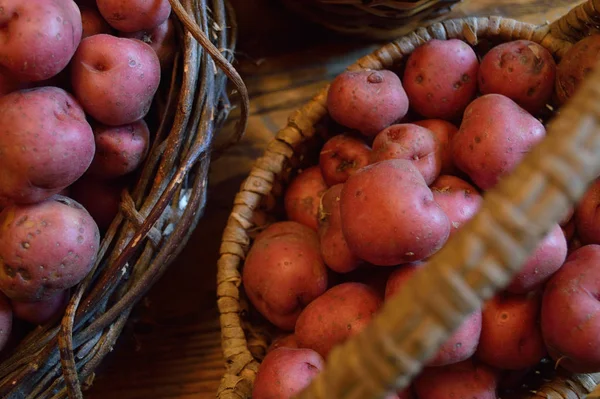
157,215
382,20
476,263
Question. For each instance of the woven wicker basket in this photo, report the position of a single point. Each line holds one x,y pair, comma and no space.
477,262
382,19
157,215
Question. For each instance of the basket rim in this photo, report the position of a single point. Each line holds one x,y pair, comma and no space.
241,364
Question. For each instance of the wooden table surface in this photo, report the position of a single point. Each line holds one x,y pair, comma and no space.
171,348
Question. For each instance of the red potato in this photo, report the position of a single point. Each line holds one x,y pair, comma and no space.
367,101
46,144
115,79
510,335
389,216
575,65
38,37
462,344
441,78
571,312
548,257
286,372
284,341
334,247
457,198
119,149
93,23
341,156
134,15
443,132
162,39
341,312
494,136
101,198
283,273
41,312
469,379
287,228
521,70
303,196
412,143
6,321
587,217
45,248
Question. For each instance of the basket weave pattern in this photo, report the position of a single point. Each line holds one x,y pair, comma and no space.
475,264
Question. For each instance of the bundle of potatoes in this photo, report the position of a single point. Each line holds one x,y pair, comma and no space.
409,169
77,80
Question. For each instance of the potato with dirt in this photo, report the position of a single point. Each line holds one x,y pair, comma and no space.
575,65
45,248
303,197
46,144
462,344
119,149
115,79
38,37
334,248
341,312
284,272
134,15
457,198
441,78
443,132
510,335
341,156
285,372
571,312
547,258
41,312
521,70
412,143
493,138
367,100
162,39
389,215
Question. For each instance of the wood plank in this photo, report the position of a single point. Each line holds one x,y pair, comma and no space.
171,348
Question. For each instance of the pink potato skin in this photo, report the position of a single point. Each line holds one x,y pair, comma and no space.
38,37
457,198
587,217
93,23
341,156
334,247
6,321
389,216
571,312
494,136
575,65
510,336
367,101
469,379
46,144
119,149
548,257
411,142
303,196
285,372
101,198
162,39
521,70
321,329
45,248
283,341
462,344
41,312
283,273
134,15
114,78
441,78
443,132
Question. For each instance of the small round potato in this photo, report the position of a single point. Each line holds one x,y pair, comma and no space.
457,198
162,39
134,15
443,132
341,156
575,65
303,196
